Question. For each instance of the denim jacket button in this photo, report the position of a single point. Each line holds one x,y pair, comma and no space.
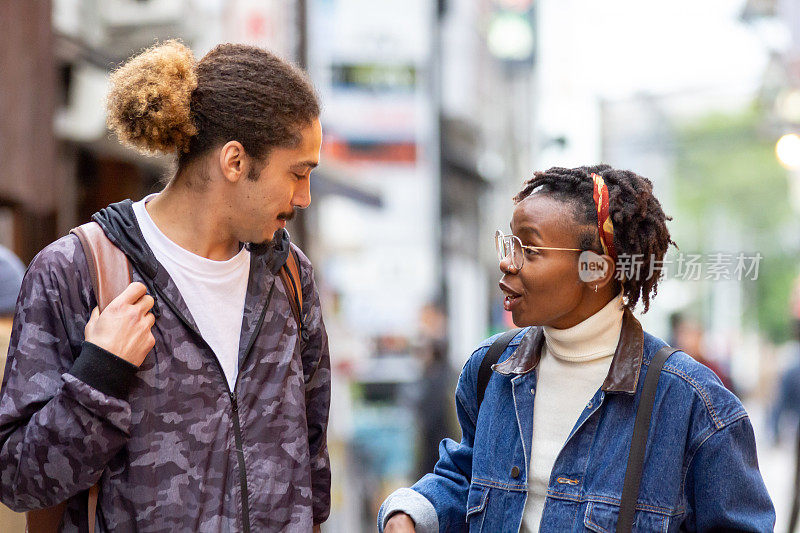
515,472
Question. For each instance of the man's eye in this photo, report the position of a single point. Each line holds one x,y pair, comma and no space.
531,251
299,176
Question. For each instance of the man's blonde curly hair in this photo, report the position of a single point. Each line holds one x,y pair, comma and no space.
149,105
163,100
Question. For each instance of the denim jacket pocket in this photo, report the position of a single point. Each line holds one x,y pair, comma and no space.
602,518
476,504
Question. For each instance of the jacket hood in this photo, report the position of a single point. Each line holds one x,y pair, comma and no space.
120,226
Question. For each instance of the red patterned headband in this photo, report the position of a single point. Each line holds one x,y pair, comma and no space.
604,225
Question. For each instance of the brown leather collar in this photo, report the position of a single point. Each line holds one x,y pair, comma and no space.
623,375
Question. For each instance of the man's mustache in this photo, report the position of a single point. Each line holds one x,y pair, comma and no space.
287,216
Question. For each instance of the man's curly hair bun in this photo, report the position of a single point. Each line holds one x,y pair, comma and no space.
149,104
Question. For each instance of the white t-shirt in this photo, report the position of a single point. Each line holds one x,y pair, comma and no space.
214,291
574,364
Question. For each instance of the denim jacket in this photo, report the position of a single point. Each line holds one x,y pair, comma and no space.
700,472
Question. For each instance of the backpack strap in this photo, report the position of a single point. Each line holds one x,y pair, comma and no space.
108,266
110,272
290,275
641,426
490,358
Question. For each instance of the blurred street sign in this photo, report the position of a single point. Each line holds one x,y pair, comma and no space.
511,33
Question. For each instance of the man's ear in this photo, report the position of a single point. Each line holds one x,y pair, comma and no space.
233,161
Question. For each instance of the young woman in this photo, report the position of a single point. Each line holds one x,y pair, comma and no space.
547,448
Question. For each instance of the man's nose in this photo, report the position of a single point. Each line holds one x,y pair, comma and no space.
302,194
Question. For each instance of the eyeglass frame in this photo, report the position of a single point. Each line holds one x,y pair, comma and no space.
499,235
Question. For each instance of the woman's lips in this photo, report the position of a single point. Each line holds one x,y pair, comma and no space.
512,297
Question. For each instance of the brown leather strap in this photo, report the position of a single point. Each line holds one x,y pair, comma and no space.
111,274
108,266
290,275
92,505
49,520
294,268
45,520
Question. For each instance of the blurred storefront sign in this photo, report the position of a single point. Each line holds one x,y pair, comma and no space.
267,23
369,61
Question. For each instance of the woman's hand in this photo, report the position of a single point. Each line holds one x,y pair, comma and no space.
399,523
123,328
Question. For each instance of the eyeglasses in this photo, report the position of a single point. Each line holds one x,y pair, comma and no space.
511,248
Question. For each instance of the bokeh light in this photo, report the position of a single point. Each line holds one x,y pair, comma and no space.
788,150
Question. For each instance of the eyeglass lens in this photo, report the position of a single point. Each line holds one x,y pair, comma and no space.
509,246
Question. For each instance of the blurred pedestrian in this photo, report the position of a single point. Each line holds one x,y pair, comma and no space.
547,448
11,272
433,399
211,416
786,410
687,334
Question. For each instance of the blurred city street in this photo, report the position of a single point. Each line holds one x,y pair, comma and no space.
434,112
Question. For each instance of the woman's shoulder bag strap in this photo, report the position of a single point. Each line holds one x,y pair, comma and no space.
490,358
641,426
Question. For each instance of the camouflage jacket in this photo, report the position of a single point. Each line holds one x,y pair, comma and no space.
172,447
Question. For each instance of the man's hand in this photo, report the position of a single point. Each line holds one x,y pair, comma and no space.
123,328
399,523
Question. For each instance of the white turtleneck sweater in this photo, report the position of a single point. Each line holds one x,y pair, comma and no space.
574,364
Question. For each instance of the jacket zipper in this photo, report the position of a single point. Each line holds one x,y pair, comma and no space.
237,433
237,428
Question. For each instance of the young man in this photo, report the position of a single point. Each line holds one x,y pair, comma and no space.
194,400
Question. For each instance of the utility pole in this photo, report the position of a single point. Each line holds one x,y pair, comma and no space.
300,225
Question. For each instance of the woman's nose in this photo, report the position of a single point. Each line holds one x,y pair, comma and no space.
506,266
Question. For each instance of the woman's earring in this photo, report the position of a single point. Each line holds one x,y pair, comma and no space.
595,288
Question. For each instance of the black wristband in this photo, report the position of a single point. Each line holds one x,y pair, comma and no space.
104,371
